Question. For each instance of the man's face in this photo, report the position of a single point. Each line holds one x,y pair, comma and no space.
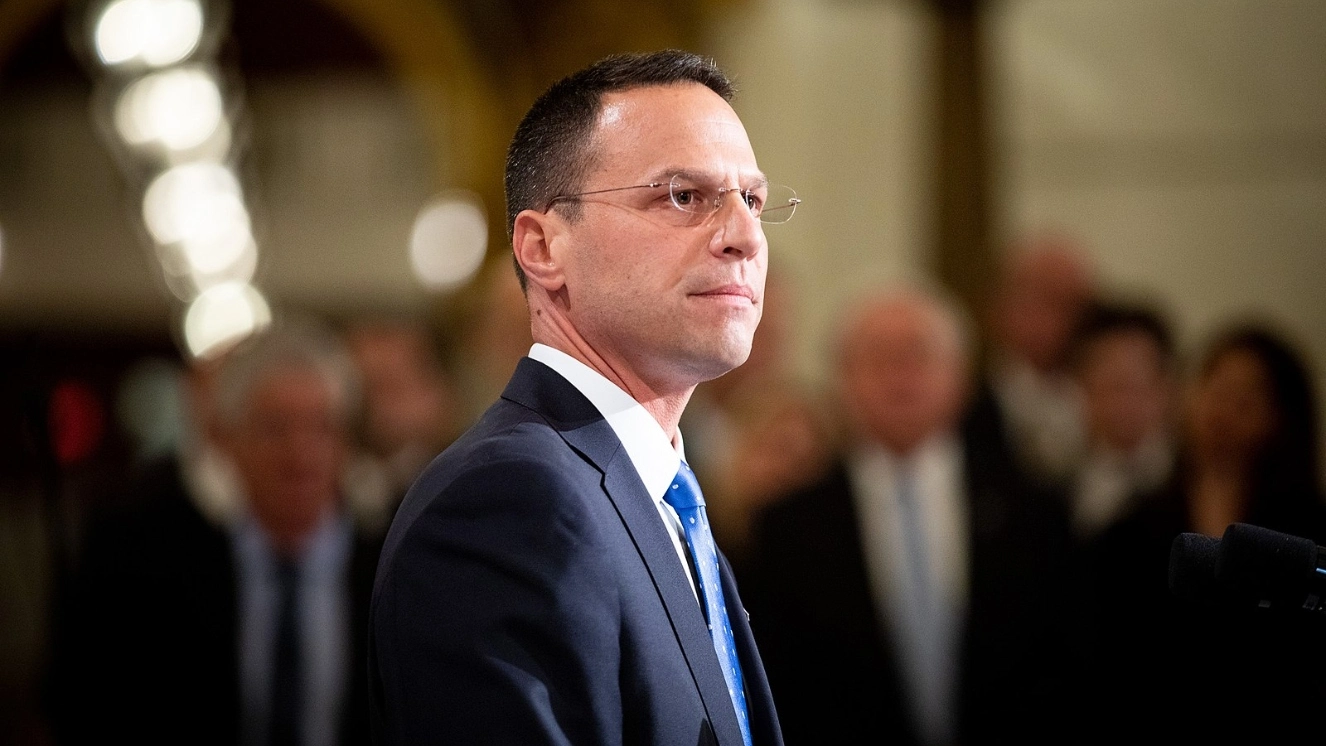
1127,389
288,447
902,375
1041,305
407,398
674,303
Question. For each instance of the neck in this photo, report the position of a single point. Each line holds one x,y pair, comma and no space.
289,535
664,400
289,541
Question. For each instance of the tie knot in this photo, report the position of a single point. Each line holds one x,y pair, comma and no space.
684,492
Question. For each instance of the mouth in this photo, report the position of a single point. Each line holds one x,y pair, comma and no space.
732,293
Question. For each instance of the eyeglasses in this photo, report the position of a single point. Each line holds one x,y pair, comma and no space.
692,200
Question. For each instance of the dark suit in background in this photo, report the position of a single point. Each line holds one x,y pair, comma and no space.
831,658
1184,671
146,646
163,633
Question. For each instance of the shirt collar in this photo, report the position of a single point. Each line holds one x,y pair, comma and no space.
872,463
651,453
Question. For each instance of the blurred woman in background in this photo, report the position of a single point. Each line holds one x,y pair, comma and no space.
1253,453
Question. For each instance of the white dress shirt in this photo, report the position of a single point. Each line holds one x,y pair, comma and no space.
1110,480
1045,418
653,455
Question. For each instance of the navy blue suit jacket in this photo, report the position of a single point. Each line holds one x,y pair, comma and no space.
528,593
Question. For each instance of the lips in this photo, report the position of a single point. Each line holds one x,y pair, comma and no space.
733,290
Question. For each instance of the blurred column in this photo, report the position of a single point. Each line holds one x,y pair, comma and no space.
963,258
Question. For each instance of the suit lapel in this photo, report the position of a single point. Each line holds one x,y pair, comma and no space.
538,387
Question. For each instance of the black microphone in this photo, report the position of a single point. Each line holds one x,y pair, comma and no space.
1249,566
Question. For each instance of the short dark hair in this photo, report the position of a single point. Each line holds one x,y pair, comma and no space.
1104,318
550,151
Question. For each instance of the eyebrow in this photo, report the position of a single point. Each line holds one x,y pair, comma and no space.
757,181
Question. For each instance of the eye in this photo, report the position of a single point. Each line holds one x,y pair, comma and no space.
754,200
685,197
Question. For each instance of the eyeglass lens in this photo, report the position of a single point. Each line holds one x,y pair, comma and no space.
772,203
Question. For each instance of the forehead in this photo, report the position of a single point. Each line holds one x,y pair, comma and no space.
1128,350
286,385
683,126
904,321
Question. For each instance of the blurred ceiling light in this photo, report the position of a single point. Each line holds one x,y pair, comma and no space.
240,268
186,281
223,315
449,239
180,109
153,32
198,208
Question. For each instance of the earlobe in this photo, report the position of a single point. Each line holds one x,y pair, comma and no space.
532,239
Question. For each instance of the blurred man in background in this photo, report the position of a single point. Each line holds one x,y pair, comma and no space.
1125,363
1177,665
411,412
1027,406
902,599
181,628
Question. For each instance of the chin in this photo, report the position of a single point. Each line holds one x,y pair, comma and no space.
723,361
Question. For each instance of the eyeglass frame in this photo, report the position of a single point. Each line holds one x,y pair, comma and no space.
671,183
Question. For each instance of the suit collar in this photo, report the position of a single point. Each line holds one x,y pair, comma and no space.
649,448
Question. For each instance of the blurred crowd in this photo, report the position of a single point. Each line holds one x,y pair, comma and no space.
962,538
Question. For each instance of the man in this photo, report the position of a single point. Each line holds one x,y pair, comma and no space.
901,598
181,629
538,584
1028,409
411,411
1125,363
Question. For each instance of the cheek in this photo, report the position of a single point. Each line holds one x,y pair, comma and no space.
602,272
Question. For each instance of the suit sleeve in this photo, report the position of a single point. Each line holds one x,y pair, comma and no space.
496,617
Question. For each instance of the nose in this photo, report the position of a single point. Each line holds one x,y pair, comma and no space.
737,233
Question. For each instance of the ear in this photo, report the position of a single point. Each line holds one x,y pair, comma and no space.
532,240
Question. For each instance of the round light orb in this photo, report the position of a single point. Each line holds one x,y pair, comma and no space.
449,240
199,207
155,33
223,315
177,109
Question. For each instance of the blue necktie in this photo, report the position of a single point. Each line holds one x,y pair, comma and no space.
932,644
685,497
